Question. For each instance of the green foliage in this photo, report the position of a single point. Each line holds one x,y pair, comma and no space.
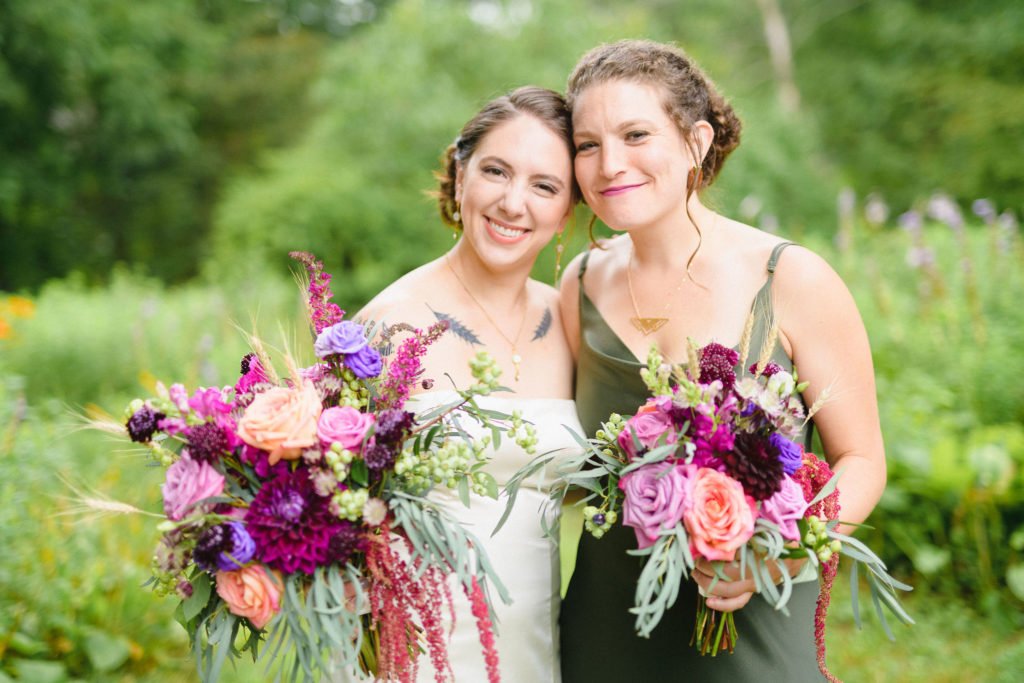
912,96
117,120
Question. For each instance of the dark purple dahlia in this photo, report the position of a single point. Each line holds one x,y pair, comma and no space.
207,442
754,462
718,362
291,524
143,424
225,546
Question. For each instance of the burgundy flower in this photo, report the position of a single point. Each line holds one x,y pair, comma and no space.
717,362
755,463
349,540
768,370
207,442
291,524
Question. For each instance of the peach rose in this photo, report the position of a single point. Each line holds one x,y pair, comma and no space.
718,516
282,421
253,592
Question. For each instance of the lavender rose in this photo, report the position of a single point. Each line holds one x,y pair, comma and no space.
654,500
341,338
346,425
785,508
187,483
364,363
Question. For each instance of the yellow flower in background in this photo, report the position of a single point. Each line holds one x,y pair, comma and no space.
21,307
5,329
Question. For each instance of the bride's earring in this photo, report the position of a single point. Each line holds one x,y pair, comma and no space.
559,250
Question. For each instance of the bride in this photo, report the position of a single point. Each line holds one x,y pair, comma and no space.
506,188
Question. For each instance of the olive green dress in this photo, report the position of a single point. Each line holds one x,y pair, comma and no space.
598,640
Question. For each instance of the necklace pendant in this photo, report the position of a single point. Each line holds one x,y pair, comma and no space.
516,360
648,326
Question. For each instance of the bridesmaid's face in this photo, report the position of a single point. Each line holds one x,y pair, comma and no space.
515,191
631,159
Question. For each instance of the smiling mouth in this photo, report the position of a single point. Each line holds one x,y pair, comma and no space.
619,189
504,230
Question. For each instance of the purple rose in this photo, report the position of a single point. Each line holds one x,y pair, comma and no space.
364,363
341,338
790,455
654,500
785,508
187,483
648,426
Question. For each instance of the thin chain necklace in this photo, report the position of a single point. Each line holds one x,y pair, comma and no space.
513,343
647,326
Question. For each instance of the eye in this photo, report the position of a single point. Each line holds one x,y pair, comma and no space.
547,188
585,146
494,171
636,135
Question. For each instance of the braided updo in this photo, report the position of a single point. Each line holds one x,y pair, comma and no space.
545,105
689,95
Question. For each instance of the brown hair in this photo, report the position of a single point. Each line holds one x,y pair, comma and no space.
689,95
546,105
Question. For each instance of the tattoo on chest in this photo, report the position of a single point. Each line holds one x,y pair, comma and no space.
543,326
457,328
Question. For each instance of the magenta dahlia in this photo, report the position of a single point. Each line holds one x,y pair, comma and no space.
292,525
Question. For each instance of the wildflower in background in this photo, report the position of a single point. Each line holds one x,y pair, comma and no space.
876,211
911,221
21,307
944,209
985,210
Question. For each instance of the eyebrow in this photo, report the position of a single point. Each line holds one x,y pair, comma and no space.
631,123
536,176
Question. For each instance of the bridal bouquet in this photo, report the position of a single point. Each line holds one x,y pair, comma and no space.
295,521
710,467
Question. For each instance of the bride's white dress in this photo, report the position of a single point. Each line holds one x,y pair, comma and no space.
524,558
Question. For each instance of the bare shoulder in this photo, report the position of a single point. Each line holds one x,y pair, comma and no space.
801,272
402,300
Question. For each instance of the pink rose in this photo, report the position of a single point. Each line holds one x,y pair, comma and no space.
654,500
345,425
282,421
188,482
718,516
649,425
785,508
253,592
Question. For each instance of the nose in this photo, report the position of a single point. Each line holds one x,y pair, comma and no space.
513,200
612,160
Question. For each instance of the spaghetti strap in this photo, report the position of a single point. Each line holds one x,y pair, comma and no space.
773,260
583,267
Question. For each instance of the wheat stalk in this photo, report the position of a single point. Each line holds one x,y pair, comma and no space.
748,333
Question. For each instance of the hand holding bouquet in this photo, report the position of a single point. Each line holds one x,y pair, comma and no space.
295,516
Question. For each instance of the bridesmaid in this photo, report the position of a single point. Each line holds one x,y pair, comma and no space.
651,133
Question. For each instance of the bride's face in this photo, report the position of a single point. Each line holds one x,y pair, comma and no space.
632,161
515,191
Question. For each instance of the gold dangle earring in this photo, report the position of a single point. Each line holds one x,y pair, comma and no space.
457,217
559,249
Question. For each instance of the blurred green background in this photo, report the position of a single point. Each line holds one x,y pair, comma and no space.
159,158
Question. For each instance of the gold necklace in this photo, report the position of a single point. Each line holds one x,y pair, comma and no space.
647,326
513,344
